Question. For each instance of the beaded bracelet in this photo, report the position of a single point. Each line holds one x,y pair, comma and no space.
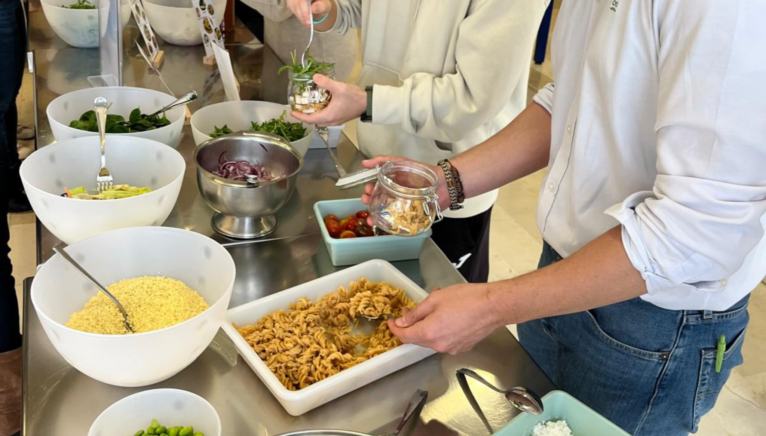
447,168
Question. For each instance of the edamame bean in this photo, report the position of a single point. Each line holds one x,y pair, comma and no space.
139,433
199,433
161,429
150,431
188,431
174,431
154,423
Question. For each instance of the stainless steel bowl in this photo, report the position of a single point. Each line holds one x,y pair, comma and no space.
246,210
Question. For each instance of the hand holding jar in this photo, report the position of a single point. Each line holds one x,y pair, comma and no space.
404,201
330,103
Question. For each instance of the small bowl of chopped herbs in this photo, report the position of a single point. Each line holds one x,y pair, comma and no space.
156,412
76,21
225,118
130,113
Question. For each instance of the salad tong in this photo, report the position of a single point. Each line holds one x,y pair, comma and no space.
520,398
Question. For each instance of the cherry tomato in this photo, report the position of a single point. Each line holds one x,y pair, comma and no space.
343,223
350,223
331,217
362,214
347,234
334,229
363,230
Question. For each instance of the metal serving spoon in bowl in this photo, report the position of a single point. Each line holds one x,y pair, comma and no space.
520,398
59,249
186,99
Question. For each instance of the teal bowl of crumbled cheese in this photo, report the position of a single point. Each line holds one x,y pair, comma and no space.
563,416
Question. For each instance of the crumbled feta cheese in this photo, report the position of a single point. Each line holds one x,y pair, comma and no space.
552,428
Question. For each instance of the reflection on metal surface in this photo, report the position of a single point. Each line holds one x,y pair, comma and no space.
59,400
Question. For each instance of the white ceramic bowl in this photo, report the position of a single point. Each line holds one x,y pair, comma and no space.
68,107
78,27
176,22
69,164
121,360
299,402
168,406
238,115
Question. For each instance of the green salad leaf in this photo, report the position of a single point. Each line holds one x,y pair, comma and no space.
137,122
280,127
220,131
81,4
312,66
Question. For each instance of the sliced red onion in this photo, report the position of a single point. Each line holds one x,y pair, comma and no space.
237,169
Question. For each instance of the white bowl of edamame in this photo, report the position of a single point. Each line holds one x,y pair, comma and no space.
159,411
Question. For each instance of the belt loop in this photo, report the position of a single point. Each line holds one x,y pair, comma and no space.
707,314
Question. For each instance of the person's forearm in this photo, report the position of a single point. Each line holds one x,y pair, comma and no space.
597,275
518,150
329,22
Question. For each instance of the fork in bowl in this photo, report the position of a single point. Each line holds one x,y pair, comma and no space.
104,180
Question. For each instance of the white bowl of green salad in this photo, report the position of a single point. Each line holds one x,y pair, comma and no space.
60,182
235,116
76,21
71,115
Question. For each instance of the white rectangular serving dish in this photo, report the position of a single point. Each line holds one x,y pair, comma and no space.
299,402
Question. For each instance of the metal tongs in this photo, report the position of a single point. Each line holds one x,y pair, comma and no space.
520,398
414,408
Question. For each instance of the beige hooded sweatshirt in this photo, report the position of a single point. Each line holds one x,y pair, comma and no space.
447,74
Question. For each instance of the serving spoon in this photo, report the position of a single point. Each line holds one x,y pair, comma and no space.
311,36
59,249
186,99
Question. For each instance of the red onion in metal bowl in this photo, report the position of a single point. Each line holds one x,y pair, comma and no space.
238,170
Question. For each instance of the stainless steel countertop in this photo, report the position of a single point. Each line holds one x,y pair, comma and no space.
58,400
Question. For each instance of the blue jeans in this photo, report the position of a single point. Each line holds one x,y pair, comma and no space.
649,370
13,41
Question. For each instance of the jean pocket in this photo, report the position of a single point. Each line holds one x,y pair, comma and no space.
710,383
622,346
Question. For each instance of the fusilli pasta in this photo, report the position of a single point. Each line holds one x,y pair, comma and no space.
313,341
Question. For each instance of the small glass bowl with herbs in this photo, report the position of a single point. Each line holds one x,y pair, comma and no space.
303,94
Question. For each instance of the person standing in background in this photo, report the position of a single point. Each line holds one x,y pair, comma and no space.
438,78
13,42
284,34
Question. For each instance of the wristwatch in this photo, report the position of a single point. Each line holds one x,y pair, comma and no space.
367,115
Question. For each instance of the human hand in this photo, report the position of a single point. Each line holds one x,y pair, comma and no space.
441,184
300,9
450,320
347,102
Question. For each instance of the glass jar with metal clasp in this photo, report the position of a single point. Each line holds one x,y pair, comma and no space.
304,95
404,201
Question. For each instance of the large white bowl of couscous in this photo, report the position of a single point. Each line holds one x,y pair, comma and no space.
139,359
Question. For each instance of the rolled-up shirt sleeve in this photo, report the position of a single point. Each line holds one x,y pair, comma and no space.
544,97
707,209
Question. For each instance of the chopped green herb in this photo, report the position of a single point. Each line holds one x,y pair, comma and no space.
80,4
220,131
280,127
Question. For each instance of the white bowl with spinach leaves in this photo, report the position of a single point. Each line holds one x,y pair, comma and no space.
236,116
70,115
76,21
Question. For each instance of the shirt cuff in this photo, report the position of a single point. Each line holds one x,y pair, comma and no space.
544,97
388,105
638,250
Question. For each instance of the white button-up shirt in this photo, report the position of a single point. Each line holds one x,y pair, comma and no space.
659,124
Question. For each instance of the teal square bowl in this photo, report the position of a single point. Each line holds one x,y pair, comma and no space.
352,251
559,405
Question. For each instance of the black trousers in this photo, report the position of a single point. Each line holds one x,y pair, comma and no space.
465,241
13,42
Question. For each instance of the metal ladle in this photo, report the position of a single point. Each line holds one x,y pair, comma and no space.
520,398
59,249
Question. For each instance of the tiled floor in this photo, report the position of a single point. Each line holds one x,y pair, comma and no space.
514,249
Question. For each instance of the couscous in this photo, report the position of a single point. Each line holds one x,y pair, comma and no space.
152,303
